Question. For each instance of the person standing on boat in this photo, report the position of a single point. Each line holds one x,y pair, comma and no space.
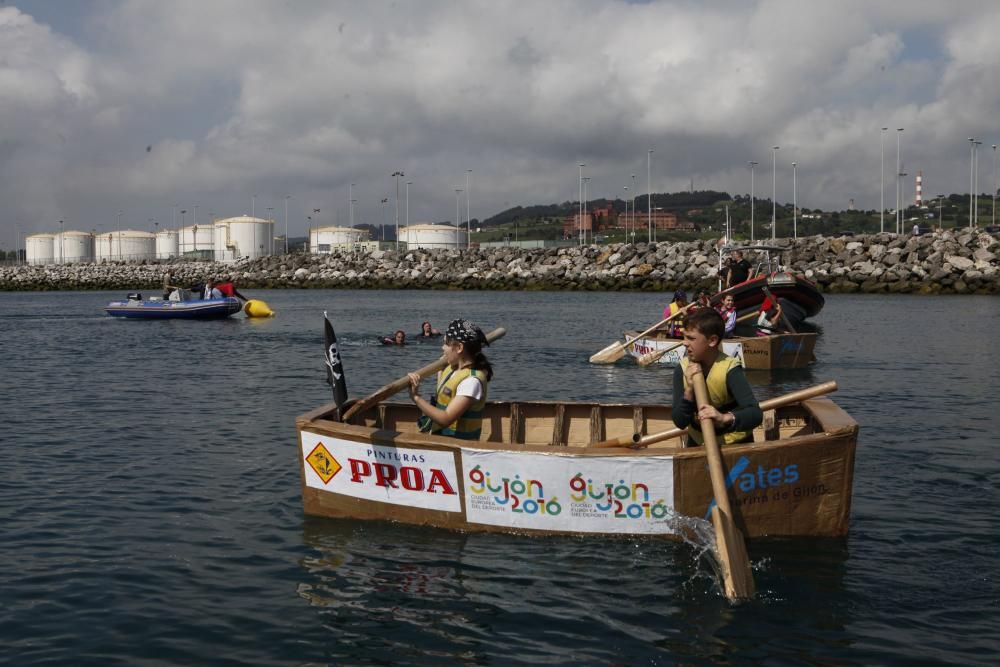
727,310
739,269
168,286
460,396
733,408
674,328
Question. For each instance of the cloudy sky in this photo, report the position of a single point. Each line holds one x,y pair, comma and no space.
147,107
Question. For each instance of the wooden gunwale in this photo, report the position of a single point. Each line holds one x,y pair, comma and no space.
831,422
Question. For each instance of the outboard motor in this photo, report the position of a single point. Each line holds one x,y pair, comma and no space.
135,296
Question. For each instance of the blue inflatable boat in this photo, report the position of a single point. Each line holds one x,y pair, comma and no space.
195,309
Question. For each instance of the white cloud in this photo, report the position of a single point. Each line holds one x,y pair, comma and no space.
233,98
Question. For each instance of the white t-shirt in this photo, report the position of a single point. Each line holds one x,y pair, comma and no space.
470,387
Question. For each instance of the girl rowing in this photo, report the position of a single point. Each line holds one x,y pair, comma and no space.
460,396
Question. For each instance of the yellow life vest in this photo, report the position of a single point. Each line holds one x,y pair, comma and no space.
718,396
470,424
675,326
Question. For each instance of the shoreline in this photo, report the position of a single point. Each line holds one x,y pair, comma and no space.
945,262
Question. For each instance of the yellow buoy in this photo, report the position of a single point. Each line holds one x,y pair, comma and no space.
257,308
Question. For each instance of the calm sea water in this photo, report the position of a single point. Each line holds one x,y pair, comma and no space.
149,494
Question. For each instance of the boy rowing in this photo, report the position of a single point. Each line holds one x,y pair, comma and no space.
732,405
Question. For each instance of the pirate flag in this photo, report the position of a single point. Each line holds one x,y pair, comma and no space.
334,367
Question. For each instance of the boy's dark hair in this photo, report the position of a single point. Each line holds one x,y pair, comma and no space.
705,321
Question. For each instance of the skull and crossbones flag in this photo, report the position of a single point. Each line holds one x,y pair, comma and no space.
334,367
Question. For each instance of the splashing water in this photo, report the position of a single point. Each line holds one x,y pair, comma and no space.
699,534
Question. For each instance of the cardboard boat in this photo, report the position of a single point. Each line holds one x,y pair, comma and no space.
535,471
784,350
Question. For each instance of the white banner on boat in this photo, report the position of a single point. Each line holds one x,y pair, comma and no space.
396,475
645,346
612,494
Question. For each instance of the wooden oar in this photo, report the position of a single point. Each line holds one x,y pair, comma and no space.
655,355
639,441
404,382
737,577
784,319
616,350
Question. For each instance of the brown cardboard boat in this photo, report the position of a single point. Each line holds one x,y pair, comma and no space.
781,350
534,472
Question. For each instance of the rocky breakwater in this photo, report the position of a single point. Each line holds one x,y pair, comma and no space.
943,262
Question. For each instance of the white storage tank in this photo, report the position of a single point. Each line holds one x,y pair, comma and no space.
70,247
126,245
196,239
432,236
166,244
243,236
38,249
328,239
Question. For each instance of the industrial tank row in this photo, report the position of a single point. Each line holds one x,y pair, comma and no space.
224,241
327,239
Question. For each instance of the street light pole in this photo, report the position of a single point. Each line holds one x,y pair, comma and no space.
585,181
384,200
649,195
468,217
774,192
902,200
972,157
975,219
899,184
408,184
752,206
881,175
634,192
287,197
396,175
626,213
62,237
458,215
994,185
350,204
579,209
795,205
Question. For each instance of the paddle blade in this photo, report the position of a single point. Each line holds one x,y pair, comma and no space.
653,357
609,355
737,578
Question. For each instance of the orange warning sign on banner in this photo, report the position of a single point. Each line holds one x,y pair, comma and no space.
321,460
